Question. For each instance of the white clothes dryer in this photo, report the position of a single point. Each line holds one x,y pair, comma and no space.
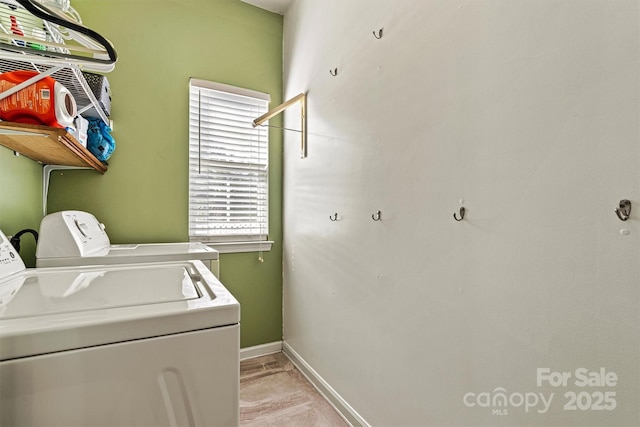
153,344
69,238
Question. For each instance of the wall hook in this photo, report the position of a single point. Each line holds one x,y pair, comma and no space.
376,216
462,210
334,217
624,210
333,72
378,35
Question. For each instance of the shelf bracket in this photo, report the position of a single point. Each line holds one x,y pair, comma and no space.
302,99
46,177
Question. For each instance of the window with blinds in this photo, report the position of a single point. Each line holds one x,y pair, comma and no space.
228,164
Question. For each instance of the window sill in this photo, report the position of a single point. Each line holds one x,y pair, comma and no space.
237,247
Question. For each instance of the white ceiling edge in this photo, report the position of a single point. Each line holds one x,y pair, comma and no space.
275,6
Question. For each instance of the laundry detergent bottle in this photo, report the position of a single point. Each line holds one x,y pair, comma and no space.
45,102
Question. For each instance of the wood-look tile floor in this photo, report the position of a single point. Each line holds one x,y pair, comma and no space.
274,393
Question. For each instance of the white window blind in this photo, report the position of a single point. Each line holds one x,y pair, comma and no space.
228,164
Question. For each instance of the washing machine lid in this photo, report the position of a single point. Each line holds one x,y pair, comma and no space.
47,310
137,253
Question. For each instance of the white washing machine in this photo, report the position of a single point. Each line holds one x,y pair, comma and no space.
121,345
70,238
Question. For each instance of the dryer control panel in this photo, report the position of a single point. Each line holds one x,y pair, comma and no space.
71,234
10,261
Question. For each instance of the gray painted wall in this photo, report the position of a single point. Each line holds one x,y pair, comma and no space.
528,112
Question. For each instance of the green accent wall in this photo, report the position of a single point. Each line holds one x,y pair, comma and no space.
143,197
20,199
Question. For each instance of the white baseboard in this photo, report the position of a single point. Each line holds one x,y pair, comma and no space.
260,350
341,405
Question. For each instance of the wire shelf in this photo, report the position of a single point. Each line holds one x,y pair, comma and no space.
23,35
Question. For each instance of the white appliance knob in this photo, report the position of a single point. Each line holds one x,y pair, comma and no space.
81,227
